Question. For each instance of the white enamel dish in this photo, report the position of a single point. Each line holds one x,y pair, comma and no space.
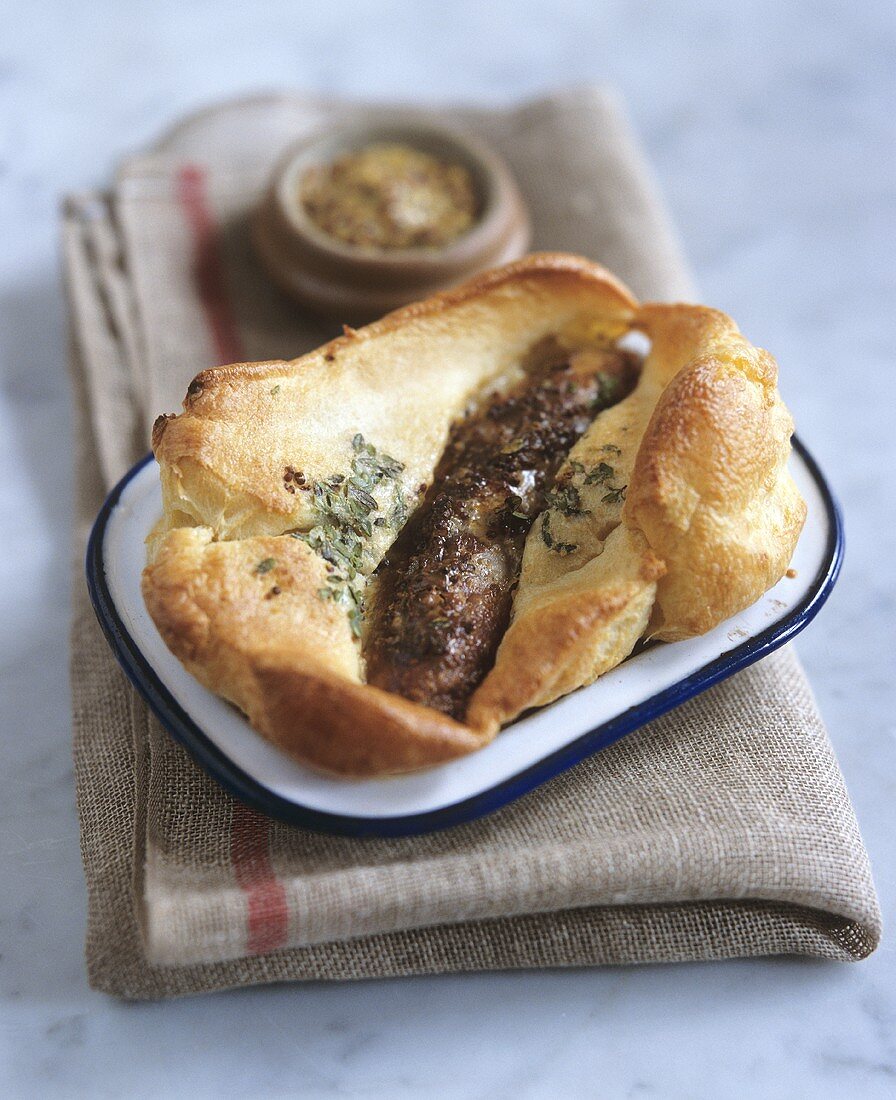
535,748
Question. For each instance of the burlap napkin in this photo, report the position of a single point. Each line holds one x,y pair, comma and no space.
721,830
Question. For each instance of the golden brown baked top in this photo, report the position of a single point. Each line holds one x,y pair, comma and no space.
355,553
388,195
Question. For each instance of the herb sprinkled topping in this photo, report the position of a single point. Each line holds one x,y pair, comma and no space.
275,390
568,501
566,497
345,507
547,537
265,566
615,496
599,474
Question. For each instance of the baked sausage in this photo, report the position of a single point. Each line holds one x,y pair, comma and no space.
444,592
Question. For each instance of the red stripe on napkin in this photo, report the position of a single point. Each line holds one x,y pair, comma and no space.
268,913
208,268
267,920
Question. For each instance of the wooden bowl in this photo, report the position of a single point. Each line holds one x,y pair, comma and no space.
357,284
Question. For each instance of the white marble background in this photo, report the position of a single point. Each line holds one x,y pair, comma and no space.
772,134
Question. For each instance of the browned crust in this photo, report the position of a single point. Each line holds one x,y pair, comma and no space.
217,471
544,650
555,267
290,665
711,437
710,488
711,513
353,729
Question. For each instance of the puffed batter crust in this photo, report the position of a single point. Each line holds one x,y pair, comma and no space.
697,518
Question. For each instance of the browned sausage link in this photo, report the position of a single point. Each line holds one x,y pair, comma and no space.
444,592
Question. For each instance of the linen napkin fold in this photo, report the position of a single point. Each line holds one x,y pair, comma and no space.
721,830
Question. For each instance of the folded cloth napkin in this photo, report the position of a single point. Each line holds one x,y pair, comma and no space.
721,830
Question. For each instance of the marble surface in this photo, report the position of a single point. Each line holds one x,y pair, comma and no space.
771,127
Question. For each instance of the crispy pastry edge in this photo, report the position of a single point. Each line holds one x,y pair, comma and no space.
335,722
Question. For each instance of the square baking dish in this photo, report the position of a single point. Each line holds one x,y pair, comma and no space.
531,750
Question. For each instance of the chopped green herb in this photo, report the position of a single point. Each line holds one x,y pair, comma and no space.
513,508
362,497
600,473
275,390
399,513
552,543
612,448
615,496
345,507
610,385
568,501
265,566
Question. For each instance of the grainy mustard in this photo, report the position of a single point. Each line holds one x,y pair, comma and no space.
388,196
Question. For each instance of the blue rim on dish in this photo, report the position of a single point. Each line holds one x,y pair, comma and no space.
240,784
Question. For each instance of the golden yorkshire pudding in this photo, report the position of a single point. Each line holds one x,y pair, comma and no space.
384,551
